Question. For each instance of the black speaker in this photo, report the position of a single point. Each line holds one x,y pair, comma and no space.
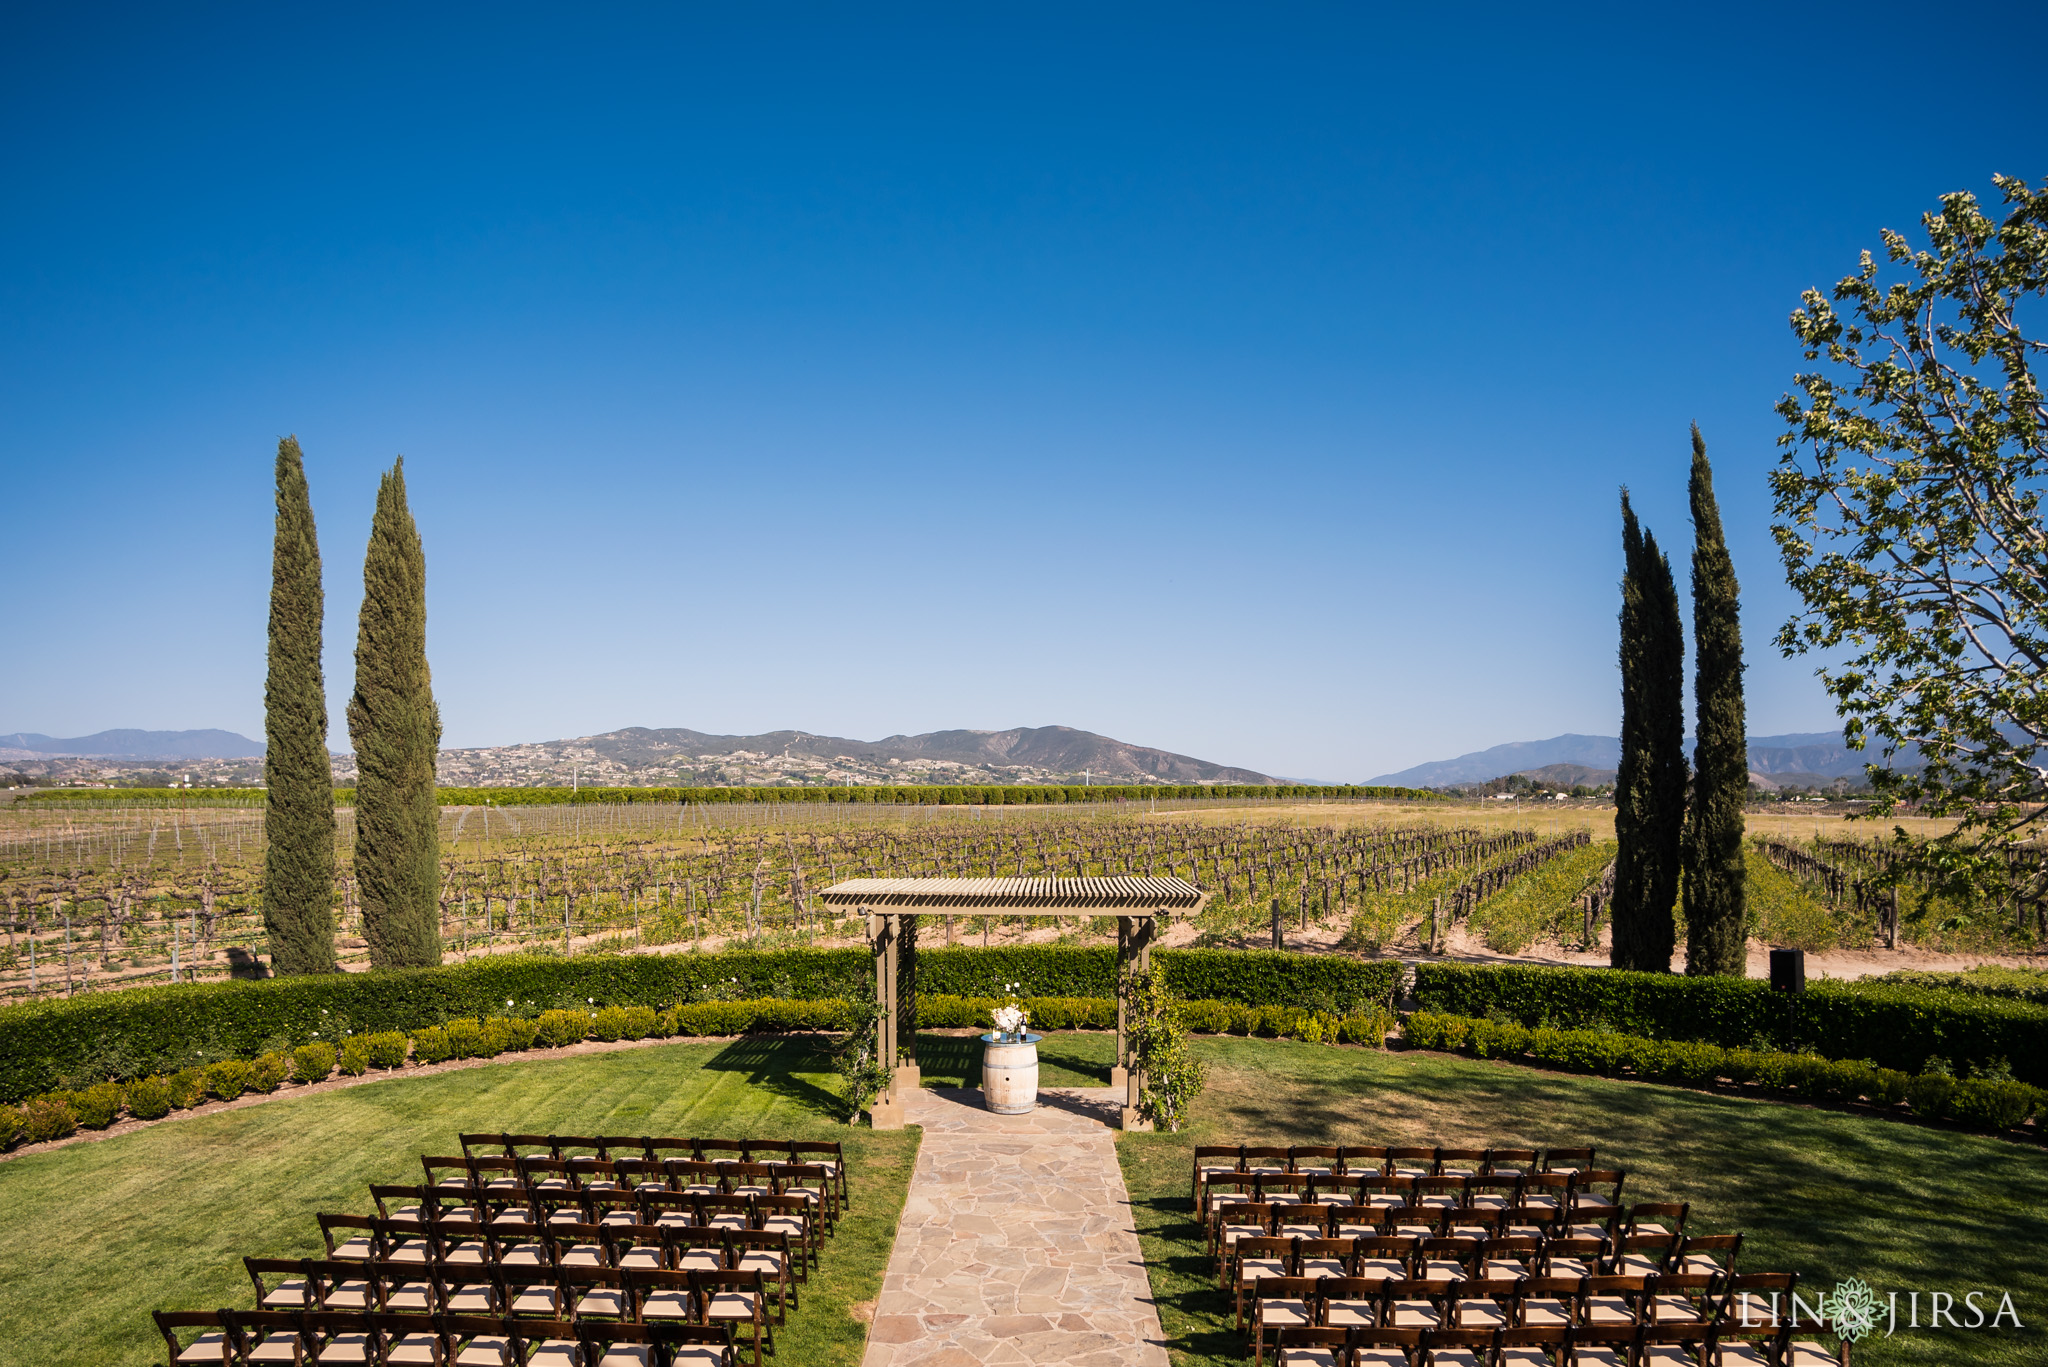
1788,970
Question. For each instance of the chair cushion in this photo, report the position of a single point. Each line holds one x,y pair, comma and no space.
415,1350
286,1295
627,1355
485,1351
604,1300
666,1305
346,1348
277,1348
553,1353
731,1305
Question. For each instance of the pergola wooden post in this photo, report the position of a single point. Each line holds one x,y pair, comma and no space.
1137,903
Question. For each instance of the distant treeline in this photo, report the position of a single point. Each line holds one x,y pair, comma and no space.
927,795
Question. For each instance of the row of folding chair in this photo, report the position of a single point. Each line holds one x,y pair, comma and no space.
1278,1303
736,1295
231,1338
1234,1222
1409,1161
828,1152
366,1239
1457,1256
417,1209
1591,1187
1556,1346
497,1183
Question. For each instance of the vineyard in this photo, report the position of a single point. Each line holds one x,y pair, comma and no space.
97,898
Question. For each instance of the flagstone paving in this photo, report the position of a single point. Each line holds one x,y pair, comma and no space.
1016,1244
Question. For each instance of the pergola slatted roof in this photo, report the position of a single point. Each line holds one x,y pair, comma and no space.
1126,895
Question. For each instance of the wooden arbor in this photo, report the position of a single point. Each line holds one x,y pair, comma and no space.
1138,903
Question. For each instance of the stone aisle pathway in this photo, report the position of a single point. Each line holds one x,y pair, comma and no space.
1016,1244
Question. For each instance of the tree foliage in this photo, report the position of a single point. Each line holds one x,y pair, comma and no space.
298,859
396,729
1172,1077
1716,874
1909,519
1649,786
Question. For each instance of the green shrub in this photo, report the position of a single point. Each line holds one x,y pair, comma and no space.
151,1098
269,1071
313,1062
558,1028
1992,1105
10,1125
640,1022
468,1039
188,1088
98,1105
1887,1086
1366,1027
1895,1025
229,1078
608,1024
355,1055
48,1117
432,1045
1930,1094
508,1035
387,1048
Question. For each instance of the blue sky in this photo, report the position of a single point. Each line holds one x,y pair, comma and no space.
1253,382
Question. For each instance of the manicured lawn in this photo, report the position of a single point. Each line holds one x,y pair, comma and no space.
95,1236
1823,1193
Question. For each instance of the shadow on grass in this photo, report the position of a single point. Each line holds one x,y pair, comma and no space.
773,1064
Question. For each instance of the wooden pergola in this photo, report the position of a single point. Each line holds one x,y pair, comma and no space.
1138,903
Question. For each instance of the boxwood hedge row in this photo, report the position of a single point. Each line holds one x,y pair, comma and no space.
46,1046
1893,1025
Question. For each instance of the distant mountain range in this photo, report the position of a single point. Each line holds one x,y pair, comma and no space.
1795,758
133,745
642,756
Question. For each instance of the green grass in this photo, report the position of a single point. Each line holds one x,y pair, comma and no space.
1784,911
1539,903
1827,1194
95,1236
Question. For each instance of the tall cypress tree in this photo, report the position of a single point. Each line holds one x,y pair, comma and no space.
298,823
1649,787
1716,881
396,729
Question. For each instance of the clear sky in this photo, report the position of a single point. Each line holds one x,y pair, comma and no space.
1251,381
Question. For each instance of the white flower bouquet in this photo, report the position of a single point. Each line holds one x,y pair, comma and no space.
1010,1019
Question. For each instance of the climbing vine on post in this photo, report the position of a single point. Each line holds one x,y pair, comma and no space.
857,1056
1173,1076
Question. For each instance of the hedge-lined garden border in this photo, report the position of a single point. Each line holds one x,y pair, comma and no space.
58,1114
1992,1104
70,1043
1899,1026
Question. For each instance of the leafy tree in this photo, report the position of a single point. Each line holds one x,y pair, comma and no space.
1172,1077
298,856
1649,785
396,728
1716,890
1909,518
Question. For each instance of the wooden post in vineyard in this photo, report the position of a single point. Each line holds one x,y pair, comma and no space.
1279,939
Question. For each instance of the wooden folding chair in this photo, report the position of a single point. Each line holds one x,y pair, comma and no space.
796,1217
767,1253
1682,1298
1386,1257
1587,1195
1213,1161
1611,1300
1643,1254
1411,1161
281,1283
830,1155
1573,1257
1566,1160
737,1299
1533,1346
1235,1222
477,1340
1548,1303
1460,1162
1312,1347
1319,1258
1302,1221
1448,1259
654,1345
1365,1160
1315,1160
1605,1345
594,1293
343,1286
1384,1345
1707,1253
693,1176
348,1236
340,1338
1348,1302
1418,1303
448,1175
1278,1303
661,1294
409,1339
1509,1256
1441,1191
717,1150
1266,1160
1509,1162
1752,1298
1254,1257
213,1344
1378,1191
1459,1347
1486,1303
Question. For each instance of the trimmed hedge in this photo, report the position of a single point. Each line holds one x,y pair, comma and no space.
1984,1103
49,1045
1896,1025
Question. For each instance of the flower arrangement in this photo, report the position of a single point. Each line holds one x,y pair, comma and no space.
1010,1020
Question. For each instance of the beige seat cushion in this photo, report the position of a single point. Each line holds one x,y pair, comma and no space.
1348,1314
343,1348
1542,1312
1608,1310
349,1296
1279,1314
1413,1315
286,1295
731,1305
354,1250
411,1298
666,1305
1808,1354
583,1255
642,1256
1382,1357
485,1351
627,1355
1524,1357
471,1300
1482,1314
605,1301
536,1300
277,1348
415,1350
699,1355
769,1265
702,1260
1454,1357
524,1255
1308,1357
553,1353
